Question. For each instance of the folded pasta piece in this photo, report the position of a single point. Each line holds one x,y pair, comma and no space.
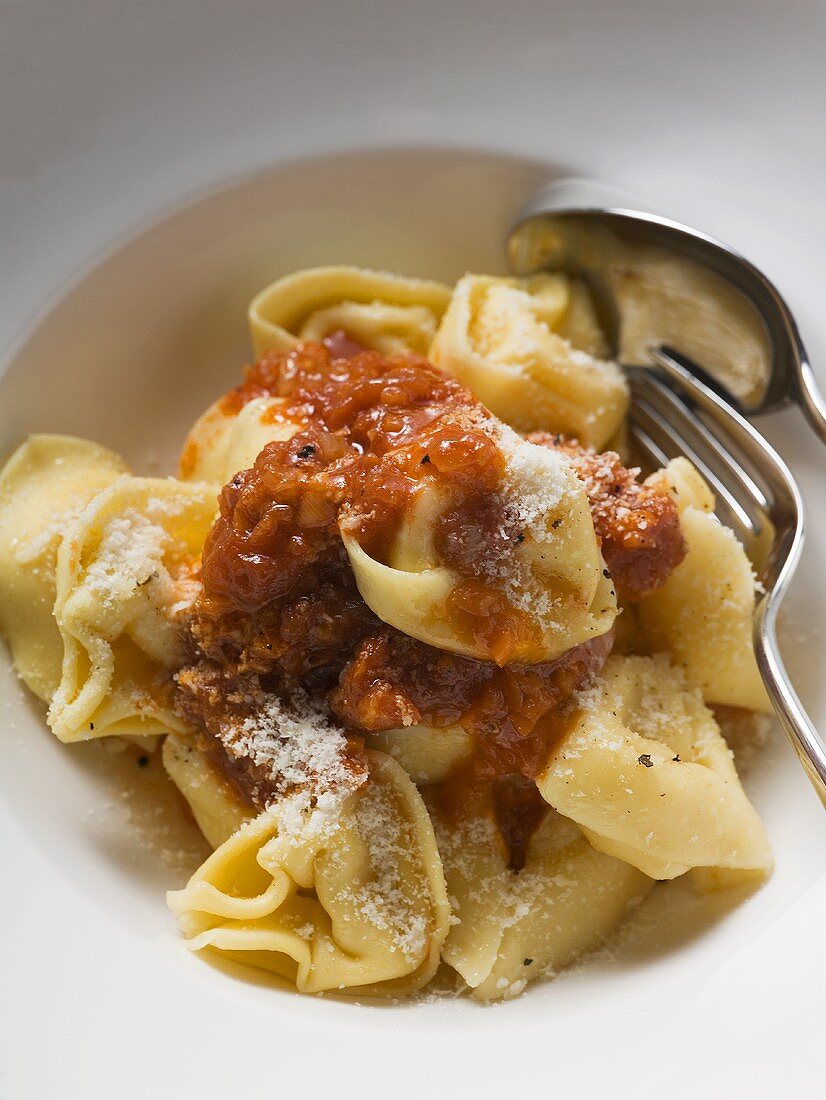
685,485
123,572
225,439
346,897
503,339
551,577
384,312
578,324
647,776
217,809
510,927
44,485
703,613
428,754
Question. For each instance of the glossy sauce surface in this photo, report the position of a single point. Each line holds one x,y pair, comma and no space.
372,432
280,608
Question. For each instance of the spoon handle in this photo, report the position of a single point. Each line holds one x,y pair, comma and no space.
810,399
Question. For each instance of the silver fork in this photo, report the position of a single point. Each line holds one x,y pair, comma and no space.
674,412
589,229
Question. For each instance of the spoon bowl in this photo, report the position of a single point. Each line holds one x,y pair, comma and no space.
707,341
657,283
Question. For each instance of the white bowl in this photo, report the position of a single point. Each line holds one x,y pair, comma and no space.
116,115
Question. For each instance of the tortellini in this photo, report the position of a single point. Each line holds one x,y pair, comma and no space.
703,613
380,311
44,485
647,776
354,879
216,808
503,339
578,323
224,441
512,926
427,754
685,484
353,898
555,575
122,575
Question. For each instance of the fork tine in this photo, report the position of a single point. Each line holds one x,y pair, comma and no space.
757,543
669,422
650,451
739,504
677,415
661,444
671,443
729,453
760,479
765,470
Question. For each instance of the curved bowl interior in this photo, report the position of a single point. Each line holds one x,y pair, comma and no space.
129,356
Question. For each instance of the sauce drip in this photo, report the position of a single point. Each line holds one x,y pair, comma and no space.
518,810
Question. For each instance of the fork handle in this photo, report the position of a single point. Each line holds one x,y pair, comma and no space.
805,739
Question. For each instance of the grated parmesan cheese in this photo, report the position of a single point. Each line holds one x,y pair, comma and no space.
130,554
383,901
535,485
536,481
300,753
48,537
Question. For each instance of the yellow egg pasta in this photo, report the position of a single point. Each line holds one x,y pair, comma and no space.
427,754
510,927
384,312
579,324
44,485
122,576
555,575
498,338
647,776
702,615
348,899
216,808
222,441
685,485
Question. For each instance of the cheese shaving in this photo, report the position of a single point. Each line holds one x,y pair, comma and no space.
383,900
130,554
298,750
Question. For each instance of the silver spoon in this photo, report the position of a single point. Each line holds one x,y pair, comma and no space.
658,283
672,299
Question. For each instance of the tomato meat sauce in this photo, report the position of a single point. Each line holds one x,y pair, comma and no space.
280,610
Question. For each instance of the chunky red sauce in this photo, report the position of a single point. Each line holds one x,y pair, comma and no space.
638,526
280,608
374,431
394,680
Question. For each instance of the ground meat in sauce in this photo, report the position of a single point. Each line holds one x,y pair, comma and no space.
638,525
372,431
513,712
280,607
216,700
